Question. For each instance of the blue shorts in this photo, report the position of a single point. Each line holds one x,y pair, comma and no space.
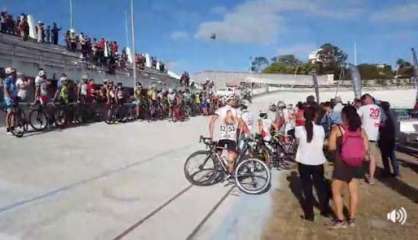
9,102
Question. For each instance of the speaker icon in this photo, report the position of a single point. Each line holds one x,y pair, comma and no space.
398,215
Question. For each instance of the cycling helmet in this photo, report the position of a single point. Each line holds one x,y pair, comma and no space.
243,107
10,70
41,73
281,104
263,115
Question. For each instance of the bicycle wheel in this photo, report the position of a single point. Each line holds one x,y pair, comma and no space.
252,176
15,120
38,119
60,117
109,116
202,170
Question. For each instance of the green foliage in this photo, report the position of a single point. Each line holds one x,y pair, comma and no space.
333,55
289,64
259,63
289,60
375,71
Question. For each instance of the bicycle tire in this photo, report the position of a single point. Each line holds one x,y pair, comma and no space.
60,117
109,116
245,166
213,176
18,128
38,119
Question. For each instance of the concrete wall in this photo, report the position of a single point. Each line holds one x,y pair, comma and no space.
235,78
28,57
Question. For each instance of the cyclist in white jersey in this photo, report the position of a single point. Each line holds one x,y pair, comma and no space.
370,115
248,118
230,122
264,126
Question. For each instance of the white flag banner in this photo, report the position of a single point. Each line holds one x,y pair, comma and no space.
32,30
356,80
129,53
415,63
106,49
316,86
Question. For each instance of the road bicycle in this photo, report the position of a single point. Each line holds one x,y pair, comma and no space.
208,167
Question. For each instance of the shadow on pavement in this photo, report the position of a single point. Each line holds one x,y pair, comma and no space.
400,187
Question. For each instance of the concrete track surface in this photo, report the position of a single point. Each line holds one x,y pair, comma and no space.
123,181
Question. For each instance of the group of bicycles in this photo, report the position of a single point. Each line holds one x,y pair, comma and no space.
252,167
40,117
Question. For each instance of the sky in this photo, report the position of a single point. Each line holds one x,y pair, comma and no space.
178,31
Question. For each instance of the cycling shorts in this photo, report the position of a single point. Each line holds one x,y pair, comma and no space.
43,99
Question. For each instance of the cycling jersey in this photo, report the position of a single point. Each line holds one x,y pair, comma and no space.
42,83
65,94
83,89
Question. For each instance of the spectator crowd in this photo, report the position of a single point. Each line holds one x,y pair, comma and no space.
99,52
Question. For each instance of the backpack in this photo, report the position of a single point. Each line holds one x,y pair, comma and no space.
352,148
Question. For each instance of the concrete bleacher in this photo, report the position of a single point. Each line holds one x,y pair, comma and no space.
29,56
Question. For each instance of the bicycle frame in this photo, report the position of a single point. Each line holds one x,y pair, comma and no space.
214,151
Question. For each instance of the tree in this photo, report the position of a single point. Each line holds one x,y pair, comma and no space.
375,71
330,59
289,59
405,68
289,64
258,64
333,54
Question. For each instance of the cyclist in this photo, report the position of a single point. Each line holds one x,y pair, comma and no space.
22,86
41,88
60,83
91,91
247,117
171,97
264,125
229,123
110,93
82,91
64,92
10,97
120,95
138,97
152,96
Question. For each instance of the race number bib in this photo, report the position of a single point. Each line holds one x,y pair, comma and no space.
374,114
228,132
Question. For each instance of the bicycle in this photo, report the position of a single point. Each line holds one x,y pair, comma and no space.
17,120
211,168
40,117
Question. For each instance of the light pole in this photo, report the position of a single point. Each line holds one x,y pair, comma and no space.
71,14
133,44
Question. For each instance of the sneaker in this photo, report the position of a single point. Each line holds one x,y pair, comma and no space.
351,222
370,180
337,224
